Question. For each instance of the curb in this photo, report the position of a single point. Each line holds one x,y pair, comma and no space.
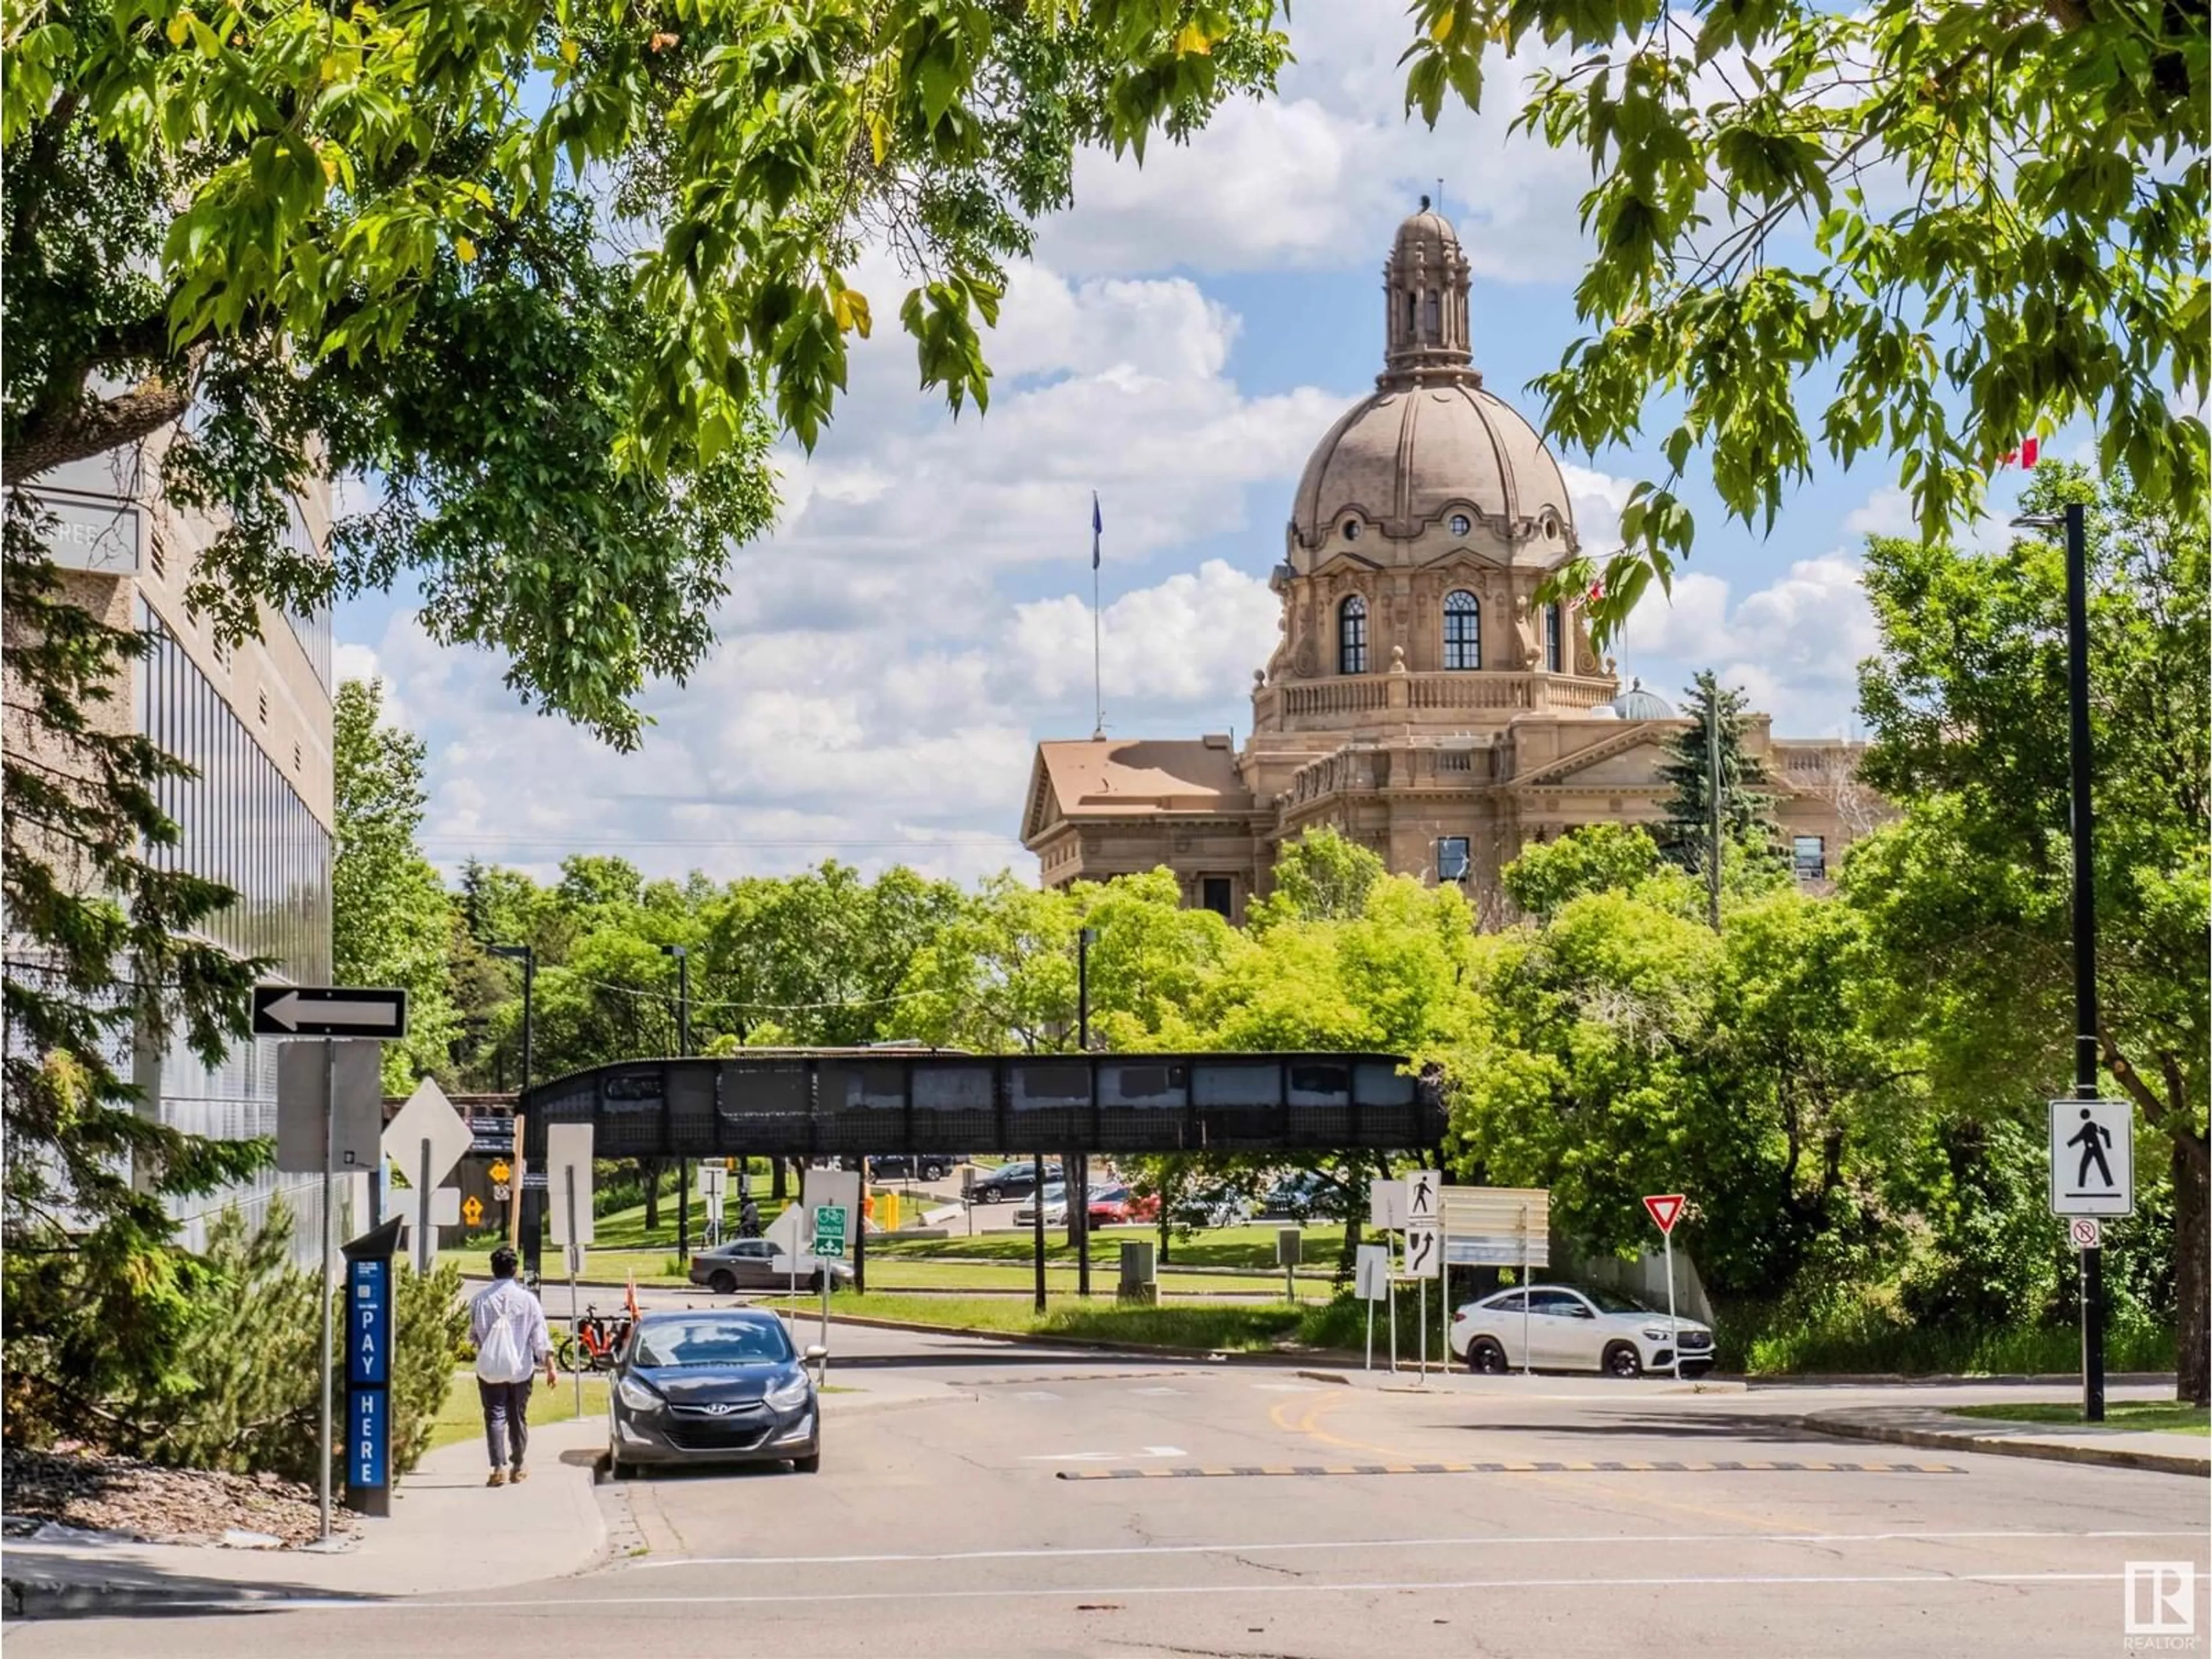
1939,1379
2116,1457
34,1598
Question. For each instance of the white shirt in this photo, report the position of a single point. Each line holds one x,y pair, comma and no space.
506,1299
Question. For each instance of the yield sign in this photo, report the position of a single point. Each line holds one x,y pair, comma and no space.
1665,1207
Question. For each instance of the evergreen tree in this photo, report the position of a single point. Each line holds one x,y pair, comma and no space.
1684,834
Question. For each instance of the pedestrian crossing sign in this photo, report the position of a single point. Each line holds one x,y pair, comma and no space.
2092,1163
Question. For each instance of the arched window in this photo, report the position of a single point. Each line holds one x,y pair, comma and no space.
1434,319
1554,642
1462,630
1352,636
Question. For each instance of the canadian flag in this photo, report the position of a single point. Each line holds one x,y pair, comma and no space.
2024,456
1597,590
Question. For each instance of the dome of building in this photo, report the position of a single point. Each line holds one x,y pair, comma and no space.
1431,445
1637,704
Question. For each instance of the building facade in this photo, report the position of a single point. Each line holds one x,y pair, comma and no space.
254,722
1422,700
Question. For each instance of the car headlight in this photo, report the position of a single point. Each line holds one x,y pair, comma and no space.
792,1391
1651,1335
635,1395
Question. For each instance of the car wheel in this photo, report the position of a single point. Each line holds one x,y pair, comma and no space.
821,1281
987,1194
1485,1358
810,1464
721,1283
1622,1359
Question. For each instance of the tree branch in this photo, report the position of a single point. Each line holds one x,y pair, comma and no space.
83,430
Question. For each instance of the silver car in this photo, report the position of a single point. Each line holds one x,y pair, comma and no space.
755,1264
1566,1327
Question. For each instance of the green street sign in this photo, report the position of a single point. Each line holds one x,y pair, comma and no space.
829,1230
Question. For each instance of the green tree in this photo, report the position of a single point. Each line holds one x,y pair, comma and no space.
1588,859
1969,896
1321,875
391,920
1921,233
1685,832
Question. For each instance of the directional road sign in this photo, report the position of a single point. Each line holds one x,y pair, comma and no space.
1371,1273
320,1011
1666,1209
830,1231
2092,1163
1424,1253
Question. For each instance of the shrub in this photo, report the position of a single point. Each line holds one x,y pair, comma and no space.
244,1393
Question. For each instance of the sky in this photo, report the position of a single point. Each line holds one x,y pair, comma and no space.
921,616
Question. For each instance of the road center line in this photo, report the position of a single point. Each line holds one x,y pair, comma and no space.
1532,1540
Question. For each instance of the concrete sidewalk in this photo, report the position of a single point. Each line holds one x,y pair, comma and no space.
2062,1442
448,1533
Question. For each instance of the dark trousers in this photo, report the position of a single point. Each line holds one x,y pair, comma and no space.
506,1417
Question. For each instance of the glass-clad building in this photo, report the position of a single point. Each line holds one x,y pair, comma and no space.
254,722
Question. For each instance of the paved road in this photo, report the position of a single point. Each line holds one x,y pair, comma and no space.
1018,1506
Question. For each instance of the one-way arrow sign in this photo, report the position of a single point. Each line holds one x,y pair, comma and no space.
312,1011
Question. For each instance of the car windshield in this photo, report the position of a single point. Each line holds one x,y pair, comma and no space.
711,1341
1613,1302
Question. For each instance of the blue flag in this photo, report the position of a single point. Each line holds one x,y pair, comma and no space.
1098,525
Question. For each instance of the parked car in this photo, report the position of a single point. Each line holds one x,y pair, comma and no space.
1297,1197
920,1166
755,1264
1218,1205
1116,1205
1010,1181
713,1385
1573,1328
1055,1203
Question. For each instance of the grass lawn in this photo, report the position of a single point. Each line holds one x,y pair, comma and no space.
461,1417
1251,1246
1203,1329
2173,1416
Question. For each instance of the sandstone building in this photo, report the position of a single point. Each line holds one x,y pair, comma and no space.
1421,701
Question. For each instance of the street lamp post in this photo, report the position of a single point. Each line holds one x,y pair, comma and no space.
527,955
2082,824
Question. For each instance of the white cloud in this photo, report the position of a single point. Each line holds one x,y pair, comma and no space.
1317,176
1794,645
919,618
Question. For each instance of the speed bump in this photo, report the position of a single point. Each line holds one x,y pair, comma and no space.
1546,1466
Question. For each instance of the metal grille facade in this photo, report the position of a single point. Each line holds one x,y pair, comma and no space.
823,1102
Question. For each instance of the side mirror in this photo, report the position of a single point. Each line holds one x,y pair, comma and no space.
816,1354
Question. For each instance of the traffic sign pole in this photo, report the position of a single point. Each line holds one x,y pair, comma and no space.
1673,1330
329,1187
574,1323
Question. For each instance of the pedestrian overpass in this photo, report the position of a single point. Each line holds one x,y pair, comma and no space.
825,1102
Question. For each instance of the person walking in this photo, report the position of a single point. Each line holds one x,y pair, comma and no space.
507,1325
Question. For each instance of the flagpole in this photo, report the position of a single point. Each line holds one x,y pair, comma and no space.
1097,674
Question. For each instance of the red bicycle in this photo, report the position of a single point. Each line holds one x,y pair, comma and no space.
596,1343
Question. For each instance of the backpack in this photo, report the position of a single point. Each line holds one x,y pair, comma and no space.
501,1359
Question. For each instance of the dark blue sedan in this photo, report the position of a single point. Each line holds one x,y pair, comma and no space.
715,1386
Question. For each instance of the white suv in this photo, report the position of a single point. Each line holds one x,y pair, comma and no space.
1567,1328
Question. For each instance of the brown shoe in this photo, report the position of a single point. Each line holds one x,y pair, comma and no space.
498,1478
519,1475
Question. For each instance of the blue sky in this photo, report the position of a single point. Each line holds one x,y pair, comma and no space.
1188,331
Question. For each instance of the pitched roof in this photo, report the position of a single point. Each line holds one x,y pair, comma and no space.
1132,777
